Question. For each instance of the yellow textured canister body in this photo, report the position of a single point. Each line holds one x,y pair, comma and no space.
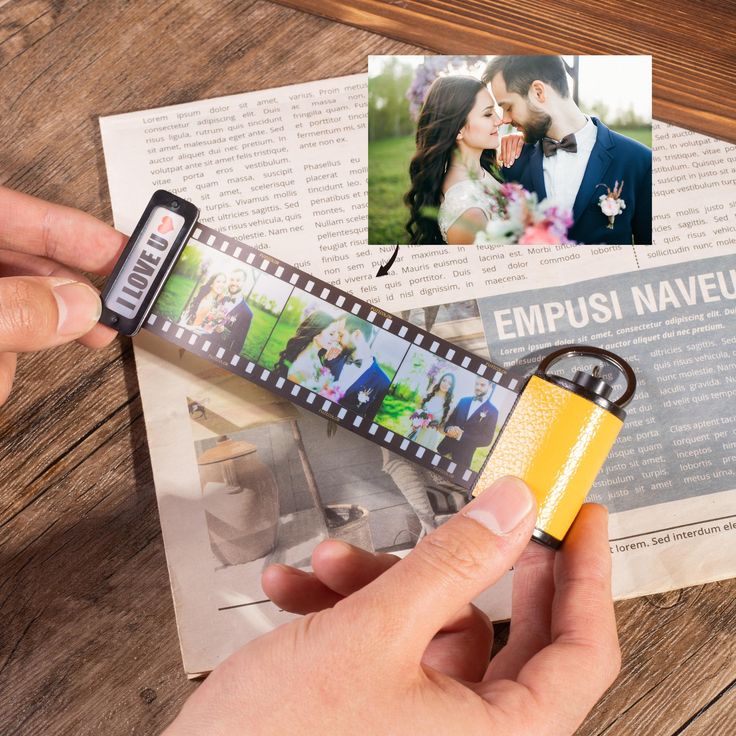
556,441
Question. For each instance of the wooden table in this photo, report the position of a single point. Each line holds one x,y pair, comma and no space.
88,642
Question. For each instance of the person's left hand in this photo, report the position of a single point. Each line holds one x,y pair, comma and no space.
511,147
45,300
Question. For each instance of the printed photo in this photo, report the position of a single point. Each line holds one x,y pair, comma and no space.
528,150
445,408
235,305
333,353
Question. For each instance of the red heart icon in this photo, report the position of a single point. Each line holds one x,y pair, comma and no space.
166,225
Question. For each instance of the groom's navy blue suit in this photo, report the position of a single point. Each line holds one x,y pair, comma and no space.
365,394
477,430
614,158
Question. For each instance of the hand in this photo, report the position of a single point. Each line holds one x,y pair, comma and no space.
45,300
452,432
511,147
394,647
332,353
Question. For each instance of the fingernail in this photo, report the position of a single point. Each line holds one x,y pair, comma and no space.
336,548
79,307
503,506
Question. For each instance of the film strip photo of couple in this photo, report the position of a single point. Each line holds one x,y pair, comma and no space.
370,371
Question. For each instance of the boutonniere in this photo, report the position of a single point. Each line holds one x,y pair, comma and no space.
612,203
364,396
483,414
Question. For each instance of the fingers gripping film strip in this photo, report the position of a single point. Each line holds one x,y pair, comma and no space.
330,352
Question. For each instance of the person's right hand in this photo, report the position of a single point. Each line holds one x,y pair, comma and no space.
44,300
393,647
562,623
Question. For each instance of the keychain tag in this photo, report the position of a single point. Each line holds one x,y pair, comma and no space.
151,252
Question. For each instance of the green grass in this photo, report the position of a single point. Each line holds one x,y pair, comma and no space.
394,415
388,182
280,336
260,329
173,299
643,135
389,370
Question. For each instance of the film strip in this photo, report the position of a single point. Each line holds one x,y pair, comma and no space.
364,401
327,401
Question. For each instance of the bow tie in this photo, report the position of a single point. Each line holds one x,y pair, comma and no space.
568,143
357,363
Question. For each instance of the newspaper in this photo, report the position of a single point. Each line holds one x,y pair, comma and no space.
286,169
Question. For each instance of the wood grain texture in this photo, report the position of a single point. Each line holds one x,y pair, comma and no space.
88,642
693,45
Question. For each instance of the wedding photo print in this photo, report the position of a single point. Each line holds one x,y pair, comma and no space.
528,150
234,305
447,409
333,353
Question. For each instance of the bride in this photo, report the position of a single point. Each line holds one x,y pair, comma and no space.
315,340
436,407
455,162
204,306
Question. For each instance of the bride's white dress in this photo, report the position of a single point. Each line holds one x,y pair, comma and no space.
429,437
461,197
305,370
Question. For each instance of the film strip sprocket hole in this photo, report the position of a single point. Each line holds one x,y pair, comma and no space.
306,340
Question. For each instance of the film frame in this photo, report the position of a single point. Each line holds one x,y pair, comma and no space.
323,291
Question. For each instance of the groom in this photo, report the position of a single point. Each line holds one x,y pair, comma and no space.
568,155
232,329
470,425
356,369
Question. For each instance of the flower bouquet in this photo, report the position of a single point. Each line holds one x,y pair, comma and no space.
518,217
420,419
215,318
326,385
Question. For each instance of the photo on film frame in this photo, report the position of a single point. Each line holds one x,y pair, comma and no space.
529,150
276,479
386,379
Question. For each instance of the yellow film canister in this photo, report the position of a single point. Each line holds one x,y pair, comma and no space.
557,438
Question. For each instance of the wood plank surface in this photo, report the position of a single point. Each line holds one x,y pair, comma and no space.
693,45
88,641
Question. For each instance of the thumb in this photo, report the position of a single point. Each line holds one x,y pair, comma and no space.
41,312
449,567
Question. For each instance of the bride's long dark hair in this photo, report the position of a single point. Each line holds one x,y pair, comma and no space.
305,333
443,115
204,290
448,396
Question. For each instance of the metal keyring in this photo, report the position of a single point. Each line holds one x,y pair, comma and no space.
605,355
